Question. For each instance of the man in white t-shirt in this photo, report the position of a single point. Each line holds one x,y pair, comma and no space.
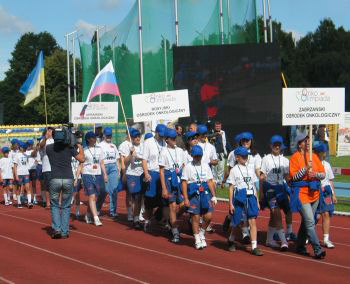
209,152
46,168
151,151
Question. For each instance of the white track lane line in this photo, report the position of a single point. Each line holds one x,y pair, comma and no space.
2,279
149,250
73,259
194,261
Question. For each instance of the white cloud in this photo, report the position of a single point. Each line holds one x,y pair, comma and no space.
109,4
12,24
3,68
85,28
295,35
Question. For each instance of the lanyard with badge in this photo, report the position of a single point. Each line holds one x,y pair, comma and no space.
276,170
94,159
246,179
199,181
175,164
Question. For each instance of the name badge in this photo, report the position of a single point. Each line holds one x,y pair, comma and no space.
201,188
250,191
94,166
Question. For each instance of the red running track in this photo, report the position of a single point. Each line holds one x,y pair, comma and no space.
115,253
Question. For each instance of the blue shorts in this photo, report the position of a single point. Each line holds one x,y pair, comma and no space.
174,194
196,206
134,184
273,202
23,180
113,176
93,184
78,187
326,201
7,182
39,171
33,175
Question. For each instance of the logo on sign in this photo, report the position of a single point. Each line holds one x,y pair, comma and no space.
159,98
309,95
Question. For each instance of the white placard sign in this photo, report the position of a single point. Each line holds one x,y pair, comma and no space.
305,106
344,136
168,105
106,112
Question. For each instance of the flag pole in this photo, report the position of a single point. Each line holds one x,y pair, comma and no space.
126,123
45,106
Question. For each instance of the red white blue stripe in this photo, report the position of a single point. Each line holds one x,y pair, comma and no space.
104,83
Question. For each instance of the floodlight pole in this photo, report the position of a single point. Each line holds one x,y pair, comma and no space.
98,51
229,21
265,26
176,24
165,62
74,70
270,19
140,45
68,73
221,23
113,59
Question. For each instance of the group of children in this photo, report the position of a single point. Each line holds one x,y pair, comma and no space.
163,181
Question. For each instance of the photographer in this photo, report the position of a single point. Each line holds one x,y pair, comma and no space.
60,155
218,138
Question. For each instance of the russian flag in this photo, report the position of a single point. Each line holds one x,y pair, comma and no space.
104,83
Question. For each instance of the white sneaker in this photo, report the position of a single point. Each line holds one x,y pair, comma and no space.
202,237
198,245
97,222
272,244
328,244
284,246
88,219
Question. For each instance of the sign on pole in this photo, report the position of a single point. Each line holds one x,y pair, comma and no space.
308,106
168,105
344,136
104,112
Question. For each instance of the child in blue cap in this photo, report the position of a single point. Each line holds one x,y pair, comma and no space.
274,177
171,164
191,140
243,202
6,174
327,196
199,194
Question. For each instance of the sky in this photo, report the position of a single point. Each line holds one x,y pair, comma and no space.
63,16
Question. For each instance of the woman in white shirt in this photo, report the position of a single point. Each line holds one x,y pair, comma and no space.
93,180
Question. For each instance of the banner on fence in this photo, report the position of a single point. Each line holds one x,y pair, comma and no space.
104,112
168,105
344,136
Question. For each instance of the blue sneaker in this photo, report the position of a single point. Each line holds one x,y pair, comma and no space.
276,237
292,237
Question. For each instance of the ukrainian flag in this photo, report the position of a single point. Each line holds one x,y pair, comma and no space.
31,87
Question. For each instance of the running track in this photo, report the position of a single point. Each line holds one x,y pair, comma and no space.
115,253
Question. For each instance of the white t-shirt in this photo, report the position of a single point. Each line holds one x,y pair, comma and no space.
231,159
187,157
44,158
6,168
170,158
21,159
151,152
275,168
110,151
329,174
209,152
93,158
254,162
242,177
75,164
197,173
31,160
134,167
12,155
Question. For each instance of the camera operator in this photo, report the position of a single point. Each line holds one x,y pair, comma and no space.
60,155
218,138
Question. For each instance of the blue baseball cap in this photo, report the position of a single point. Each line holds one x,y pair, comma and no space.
170,133
241,151
22,144
90,134
135,132
148,135
14,141
196,151
301,137
5,149
30,142
98,125
246,135
319,147
276,139
190,134
237,138
160,129
202,129
107,131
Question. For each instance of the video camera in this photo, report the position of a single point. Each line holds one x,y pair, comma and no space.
66,135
